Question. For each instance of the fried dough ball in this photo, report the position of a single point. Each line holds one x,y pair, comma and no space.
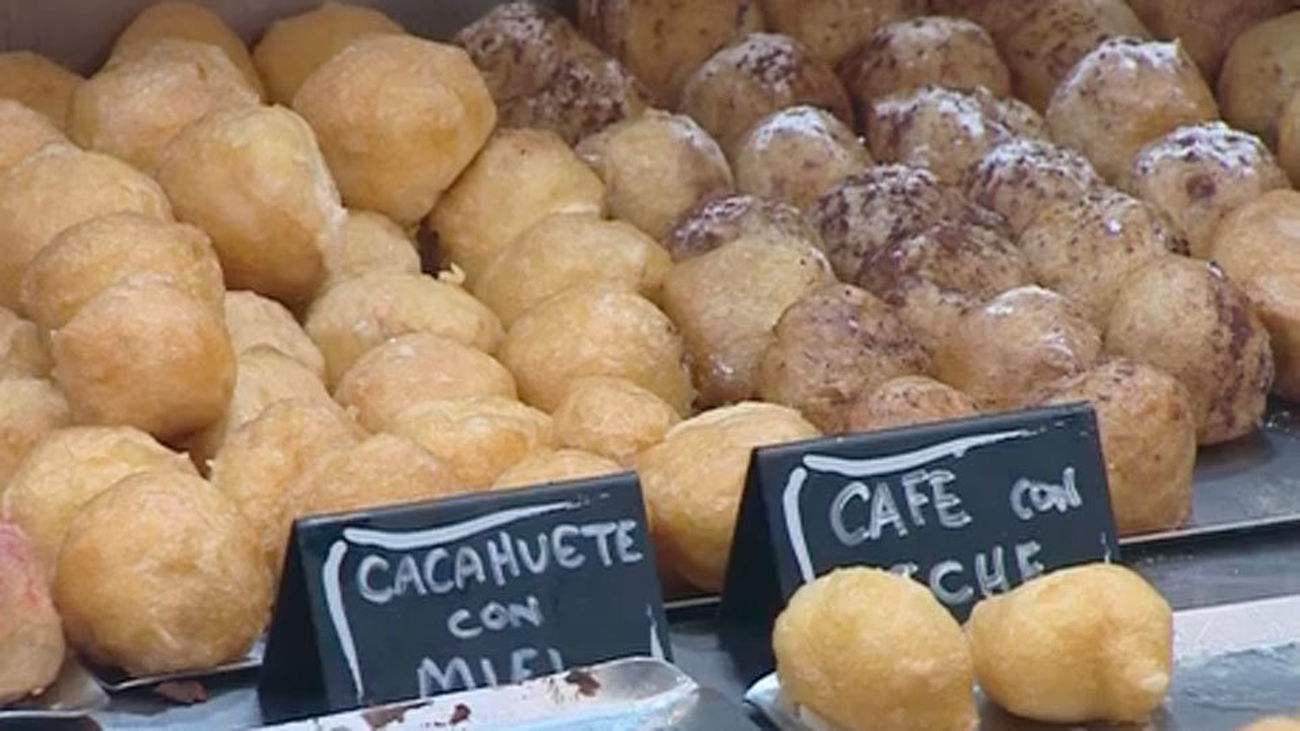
1021,177
31,640
796,155
59,187
254,179
759,74
1125,93
934,50
612,417
418,367
385,469
521,177
934,278
1196,174
22,351
69,467
398,119
1090,643
595,329
1205,29
727,303
1086,248
260,459
479,436
1211,341
543,74
1148,440
294,47
716,221
23,131
945,130
371,243
907,401
147,354
832,345
359,313
565,249
557,466
1288,138
38,83
256,321
867,211
1274,723
189,21
832,28
87,258
693,481
1008,352
1259,75
1051,38
863,648
1258,245
655,168
162,573
30,408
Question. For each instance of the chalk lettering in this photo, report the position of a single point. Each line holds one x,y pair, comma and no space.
853,490
884,511
991,575
626,544
519,659
947,504
456,625
501,557
938,573
601,532
431,568
915,498
368,591
468,566
565,554
535,565
408,575
433,679
489,672
1025,552
1031,497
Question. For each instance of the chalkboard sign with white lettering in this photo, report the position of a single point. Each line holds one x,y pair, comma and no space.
971,508
418,600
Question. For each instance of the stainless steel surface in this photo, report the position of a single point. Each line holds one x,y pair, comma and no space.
74,694
116,681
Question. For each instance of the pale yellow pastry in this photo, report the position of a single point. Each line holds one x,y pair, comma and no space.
612,417
31,640
480,436
23,131
30,408
371,243
560,465
39,83
833,28
23,352
1259,75
189,21
254,320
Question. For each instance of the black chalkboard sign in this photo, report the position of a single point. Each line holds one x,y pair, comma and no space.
418,600
971,508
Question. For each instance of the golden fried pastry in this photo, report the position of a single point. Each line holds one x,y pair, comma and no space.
756,75
560,465
382,470
907,401
22,351
933,50
418,367
398,119
1196,174
254,320
88,258
832,345
189,21
1091,643
260,459
595,329
59,187
655,168
716,221
39,83
294,47
998,17
1087,247
945,130
1259,75
833,28
1274,723
480,436
1148,440
727,303
865,649
693,481
359,313
162,573
612,417
796,155
565,249
1051,38
1288,138
1186,318
1008,352
31,639
30,408
69,467
23,131
371,243
1206,30
1122,95
254,179
145,353
521,177
938,275
1258,246
1021,177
